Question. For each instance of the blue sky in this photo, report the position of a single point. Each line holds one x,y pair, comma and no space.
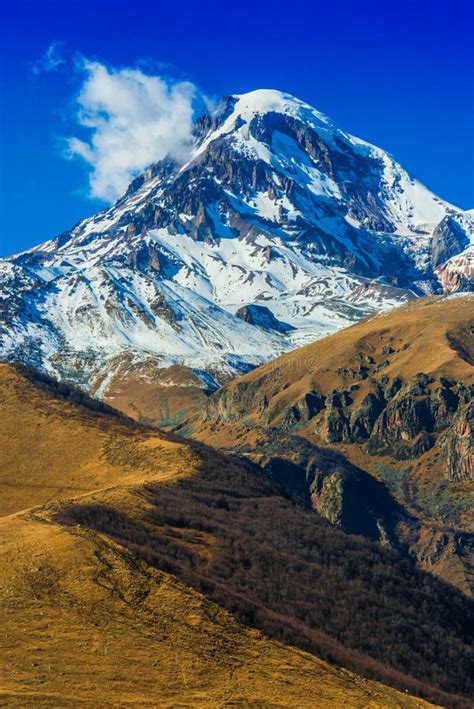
398,74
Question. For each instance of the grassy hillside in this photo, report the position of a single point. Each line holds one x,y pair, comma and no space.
433,335
54,448
85,621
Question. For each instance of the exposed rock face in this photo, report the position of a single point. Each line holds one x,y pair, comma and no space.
449,239
261,316
364,417
401,420
453,256
345,495
406,416
404,422
231,406
303,410
328,498
447,552
335,427
457,274
349,498
458,443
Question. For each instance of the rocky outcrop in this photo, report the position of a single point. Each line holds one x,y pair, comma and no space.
449,239
351,499
302,411
233,403
364,417
409,424
400,419
261,316
404,420
325,480
458,444
447,553
457,274
404,423
336,424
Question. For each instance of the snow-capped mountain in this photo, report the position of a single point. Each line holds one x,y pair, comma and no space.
279,229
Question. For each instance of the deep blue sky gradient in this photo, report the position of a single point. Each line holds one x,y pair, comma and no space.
398,74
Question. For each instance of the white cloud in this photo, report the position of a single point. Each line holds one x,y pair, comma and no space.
51,59
135,119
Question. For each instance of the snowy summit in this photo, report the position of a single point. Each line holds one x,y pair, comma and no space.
275,207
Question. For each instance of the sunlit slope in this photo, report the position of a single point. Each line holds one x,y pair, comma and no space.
84,621
52,449
432,335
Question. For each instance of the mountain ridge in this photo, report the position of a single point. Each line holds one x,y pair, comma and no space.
276,207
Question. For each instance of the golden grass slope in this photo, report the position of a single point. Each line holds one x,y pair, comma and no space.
432,335
54,450
84,623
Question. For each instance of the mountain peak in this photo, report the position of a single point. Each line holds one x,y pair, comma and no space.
276,208
237,110
271,100
266,100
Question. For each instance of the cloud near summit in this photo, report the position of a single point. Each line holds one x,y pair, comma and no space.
133,119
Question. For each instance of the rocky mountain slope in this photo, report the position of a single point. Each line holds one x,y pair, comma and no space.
276,209
373,427
114,581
